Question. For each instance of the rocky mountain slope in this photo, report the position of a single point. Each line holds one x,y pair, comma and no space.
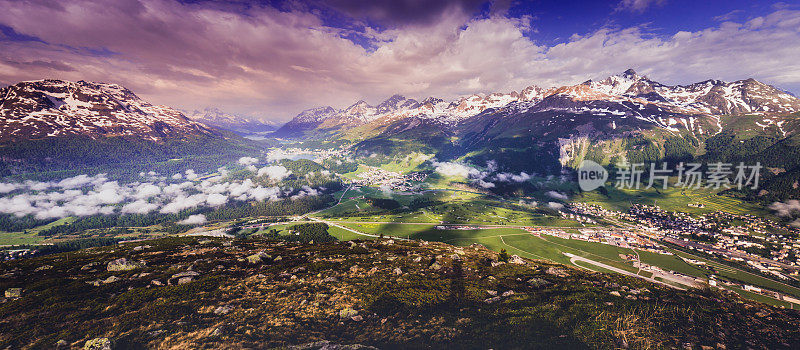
54,108
213,293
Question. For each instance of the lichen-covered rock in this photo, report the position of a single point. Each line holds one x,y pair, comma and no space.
123,264
97,344
347,313
13,293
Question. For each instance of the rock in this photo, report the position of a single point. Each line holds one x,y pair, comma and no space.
497,263
492,300
357,318
330,279
205,241
257,258
89,266
492,292
222,310
43,267
156,283
183,277
347,313
397,271
417,259
515,259
97,344
141,247
111,279
435,266
327,345
61,344
538,282
13,293
508,293
354,268
615,293
555,271
123,264
277,258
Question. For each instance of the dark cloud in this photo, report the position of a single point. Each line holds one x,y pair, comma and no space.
404,12
54,65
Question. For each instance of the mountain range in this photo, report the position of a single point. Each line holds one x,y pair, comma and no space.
626,96
624,117
240,124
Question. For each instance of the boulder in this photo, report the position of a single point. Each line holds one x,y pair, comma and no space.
97,344
123,264
515,259
13,293
347,313
183,277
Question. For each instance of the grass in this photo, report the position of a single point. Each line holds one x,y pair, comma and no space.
671,199
30,236
744,276
671,263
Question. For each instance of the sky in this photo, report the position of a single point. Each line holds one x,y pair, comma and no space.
272,59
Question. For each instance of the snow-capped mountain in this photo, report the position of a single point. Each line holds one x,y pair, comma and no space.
47,108
626,95
215,117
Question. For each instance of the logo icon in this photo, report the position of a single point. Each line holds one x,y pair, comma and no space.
591,175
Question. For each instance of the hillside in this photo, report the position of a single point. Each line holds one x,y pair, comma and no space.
55,124
202,293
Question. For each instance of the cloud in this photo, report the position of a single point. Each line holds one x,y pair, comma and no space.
638,5
139,207
196,219
274,172
189,54
190,174
557,195
455,169
786,209
555,205
509,177
247,160
261,193
8,187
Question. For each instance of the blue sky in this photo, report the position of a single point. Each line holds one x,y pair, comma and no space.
272,59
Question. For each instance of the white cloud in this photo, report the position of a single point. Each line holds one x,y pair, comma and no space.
261,193
786,209
196,219
216,199
557,195
190,174
274,172
455,169
311,64
139,207
247,160
8,187
509,177
555,205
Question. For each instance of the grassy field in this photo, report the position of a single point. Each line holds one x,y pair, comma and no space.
744,276
30,236
672,199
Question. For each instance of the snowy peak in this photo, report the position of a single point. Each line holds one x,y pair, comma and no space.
215,117
395,103
46,108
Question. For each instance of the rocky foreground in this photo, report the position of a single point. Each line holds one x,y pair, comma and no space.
201,293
